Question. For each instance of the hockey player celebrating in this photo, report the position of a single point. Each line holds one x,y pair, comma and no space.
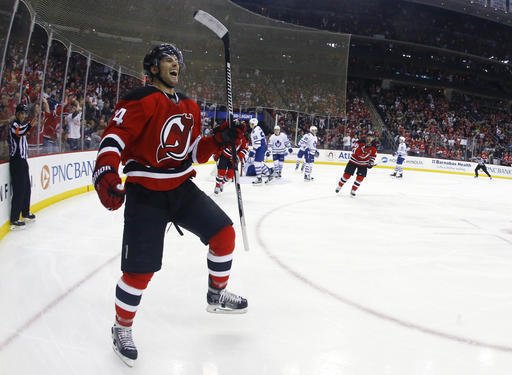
259,145
278,145
156,133
224,158
400,154
362,159
309,142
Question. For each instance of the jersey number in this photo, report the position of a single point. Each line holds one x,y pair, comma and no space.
118,116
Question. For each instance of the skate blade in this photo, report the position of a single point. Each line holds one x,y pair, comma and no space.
222,310
127,361
17,228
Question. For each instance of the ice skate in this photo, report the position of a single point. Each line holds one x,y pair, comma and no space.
217,190
308,177
258,181
17,225
399,175
270,177
123,345
338,189
352,193
224,302
393,174
29,218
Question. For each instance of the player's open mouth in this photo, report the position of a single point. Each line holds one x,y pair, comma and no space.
174,73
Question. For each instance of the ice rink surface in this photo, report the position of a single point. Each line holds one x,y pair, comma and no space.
412,276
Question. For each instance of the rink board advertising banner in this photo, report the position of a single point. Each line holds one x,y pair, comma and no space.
55,177
413,163
50,177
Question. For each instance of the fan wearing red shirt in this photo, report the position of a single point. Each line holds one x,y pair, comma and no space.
156,134
362,159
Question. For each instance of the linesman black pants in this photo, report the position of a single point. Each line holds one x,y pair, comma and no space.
20,182
483,168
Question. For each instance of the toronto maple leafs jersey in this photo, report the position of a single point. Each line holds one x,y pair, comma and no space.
308,142
279,144
402,150
258,139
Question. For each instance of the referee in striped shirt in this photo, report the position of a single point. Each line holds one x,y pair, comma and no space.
18,167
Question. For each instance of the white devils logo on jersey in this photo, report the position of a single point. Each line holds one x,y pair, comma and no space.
173,144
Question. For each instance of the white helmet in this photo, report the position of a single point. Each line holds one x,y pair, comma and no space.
313,129
277,129
253,122
401,139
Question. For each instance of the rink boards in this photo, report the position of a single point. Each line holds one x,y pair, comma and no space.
59,176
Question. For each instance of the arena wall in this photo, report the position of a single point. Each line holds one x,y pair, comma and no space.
413,163
60,176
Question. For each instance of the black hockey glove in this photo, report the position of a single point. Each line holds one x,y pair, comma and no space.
109,187
224,134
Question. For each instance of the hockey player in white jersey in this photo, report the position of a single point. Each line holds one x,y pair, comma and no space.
278,145
300,154
259,145
309,141
400,154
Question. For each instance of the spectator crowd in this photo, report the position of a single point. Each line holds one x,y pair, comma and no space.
70,115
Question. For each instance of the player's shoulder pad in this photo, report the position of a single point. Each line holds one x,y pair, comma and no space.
140,92
182,96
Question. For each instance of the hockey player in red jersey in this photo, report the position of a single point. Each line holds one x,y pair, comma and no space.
224,159
362,159
156,133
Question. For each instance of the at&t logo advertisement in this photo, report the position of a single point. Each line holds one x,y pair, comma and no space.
45,177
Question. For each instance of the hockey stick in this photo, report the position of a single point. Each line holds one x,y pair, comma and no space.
222,32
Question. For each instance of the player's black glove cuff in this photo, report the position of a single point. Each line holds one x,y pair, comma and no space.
224,134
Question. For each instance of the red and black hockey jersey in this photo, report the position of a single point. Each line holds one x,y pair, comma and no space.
242,149
363,154
157,137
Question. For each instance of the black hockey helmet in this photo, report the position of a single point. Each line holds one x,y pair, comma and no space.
158,52
21,108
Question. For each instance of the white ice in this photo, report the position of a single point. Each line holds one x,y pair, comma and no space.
412,276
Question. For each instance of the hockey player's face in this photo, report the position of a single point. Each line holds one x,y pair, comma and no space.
170,70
